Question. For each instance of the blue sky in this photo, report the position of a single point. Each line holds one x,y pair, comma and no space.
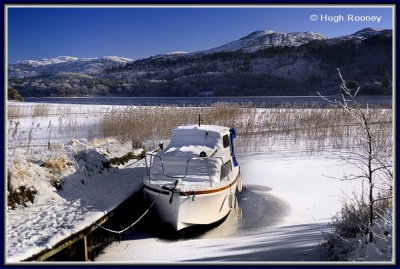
36,33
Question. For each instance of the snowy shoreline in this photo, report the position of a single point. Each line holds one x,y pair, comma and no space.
88,193
90,190
279,180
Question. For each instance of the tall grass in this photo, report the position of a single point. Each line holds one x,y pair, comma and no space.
309,129
141,124
35,110
44,110
40,110
14,111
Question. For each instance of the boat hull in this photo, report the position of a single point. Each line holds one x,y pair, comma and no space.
188,209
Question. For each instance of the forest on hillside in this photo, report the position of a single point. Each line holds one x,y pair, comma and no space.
301,70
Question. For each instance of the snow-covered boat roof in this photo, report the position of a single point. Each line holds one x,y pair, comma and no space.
188,131
194,136
189,140
215,128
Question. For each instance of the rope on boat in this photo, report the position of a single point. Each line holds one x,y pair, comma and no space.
134,223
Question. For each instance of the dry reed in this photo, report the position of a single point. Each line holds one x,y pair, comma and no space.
309,129
14,111
56,164
34,110
40,110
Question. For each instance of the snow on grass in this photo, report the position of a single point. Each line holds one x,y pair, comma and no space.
89,190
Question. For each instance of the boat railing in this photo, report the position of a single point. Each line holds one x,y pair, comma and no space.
148,167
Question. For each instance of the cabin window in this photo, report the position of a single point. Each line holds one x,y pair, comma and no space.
225,141
226,168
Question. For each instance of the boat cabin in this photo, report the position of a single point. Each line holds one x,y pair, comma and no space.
196,154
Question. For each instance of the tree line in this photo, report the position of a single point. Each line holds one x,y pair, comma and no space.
301,70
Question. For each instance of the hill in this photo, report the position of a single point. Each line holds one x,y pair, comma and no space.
261,63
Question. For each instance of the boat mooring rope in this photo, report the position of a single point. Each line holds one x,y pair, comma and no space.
134,223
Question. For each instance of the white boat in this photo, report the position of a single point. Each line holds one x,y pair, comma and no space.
194,180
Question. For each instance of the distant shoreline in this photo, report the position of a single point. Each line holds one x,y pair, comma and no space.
257,101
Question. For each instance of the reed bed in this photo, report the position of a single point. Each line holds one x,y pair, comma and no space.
40,110
15,111
307,129
140,124
44,110
35,110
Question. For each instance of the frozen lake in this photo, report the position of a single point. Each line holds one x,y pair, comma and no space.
287,202
259,101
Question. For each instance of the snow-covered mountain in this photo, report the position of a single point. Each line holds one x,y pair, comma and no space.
368,32
361,35
261,63
64,64
253,42
265,39
179,52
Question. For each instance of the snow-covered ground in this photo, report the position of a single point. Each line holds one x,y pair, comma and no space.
288,198
89,190
287,203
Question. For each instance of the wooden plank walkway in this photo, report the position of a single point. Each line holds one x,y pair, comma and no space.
47,253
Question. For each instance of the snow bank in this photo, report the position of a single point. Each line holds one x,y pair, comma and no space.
339,247
89,188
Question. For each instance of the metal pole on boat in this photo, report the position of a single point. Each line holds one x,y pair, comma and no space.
199,118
